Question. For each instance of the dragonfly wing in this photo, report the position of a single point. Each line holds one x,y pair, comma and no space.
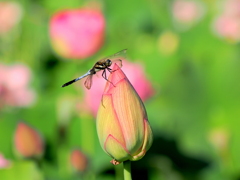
88,82
117,56
118,61
121,53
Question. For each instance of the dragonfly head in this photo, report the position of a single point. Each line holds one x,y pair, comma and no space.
108,62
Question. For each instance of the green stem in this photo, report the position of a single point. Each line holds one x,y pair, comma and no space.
127,170
119,171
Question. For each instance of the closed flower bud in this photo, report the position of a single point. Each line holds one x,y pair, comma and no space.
122,125
77,33
78,160
28,142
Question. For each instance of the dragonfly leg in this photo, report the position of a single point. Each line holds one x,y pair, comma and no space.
104,75
111,71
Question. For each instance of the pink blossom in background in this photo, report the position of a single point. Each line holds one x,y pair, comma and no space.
136,75
77,33
78,160
227,24
10,15
14,90
232,8
4,163
187,12
228,27
27,141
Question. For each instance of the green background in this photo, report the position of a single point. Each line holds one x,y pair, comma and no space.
197,93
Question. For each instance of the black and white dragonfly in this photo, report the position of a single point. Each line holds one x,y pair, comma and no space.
103,64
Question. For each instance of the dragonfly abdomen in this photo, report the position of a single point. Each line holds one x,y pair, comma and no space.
74,80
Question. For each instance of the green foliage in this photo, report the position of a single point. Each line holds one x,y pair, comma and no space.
195,105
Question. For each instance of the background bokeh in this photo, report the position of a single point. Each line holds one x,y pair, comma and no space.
184,58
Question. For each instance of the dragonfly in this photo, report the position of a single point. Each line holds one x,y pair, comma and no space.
103,64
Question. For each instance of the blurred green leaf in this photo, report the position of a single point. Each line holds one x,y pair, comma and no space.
22,170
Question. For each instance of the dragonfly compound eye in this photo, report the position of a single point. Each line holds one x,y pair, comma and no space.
109,62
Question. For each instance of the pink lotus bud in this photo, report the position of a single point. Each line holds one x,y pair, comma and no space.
28,142
77,33
10,15
78,160
4,163
122,125
136,75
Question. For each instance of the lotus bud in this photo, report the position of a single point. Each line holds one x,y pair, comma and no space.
28,142
77,33
122,124
78,160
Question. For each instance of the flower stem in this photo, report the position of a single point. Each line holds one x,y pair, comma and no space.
127,170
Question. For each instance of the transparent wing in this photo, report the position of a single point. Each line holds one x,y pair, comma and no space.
118,61
116,58
88,82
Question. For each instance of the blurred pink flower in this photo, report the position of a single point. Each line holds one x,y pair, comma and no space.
232,8
27,141
228,27
78,160
187,12
4,163
77,33
136,75
227,24
14,89
10,15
